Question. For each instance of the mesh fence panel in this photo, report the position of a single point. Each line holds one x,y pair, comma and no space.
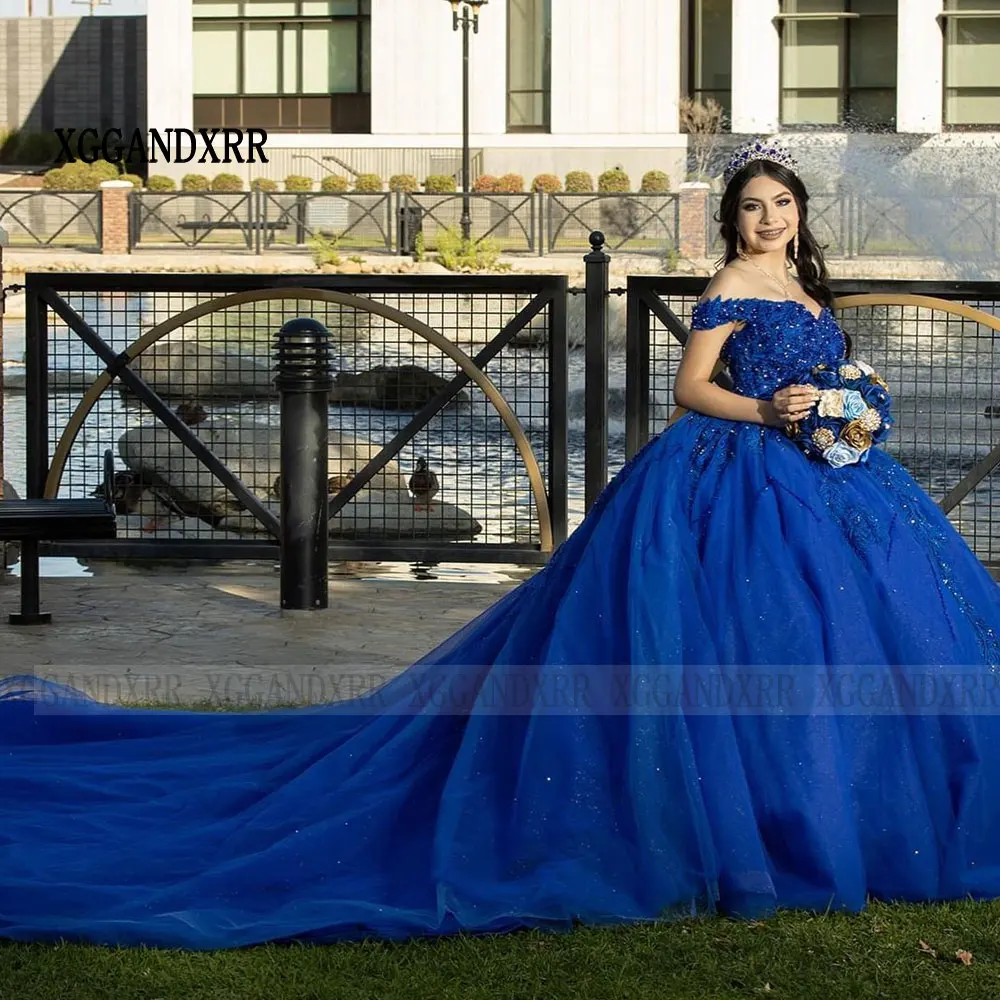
216,373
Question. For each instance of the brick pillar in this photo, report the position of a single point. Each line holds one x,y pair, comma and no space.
694,221
114,216
3,547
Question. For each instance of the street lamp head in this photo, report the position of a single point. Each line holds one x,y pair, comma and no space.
474,4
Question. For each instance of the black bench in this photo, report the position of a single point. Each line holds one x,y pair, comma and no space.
32,521
251,226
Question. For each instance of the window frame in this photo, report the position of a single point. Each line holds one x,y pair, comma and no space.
843,92
944,17
546,126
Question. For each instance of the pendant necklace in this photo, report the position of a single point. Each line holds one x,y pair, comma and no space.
743,255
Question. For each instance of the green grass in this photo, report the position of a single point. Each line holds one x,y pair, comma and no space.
877,954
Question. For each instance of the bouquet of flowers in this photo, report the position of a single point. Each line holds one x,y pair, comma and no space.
852,414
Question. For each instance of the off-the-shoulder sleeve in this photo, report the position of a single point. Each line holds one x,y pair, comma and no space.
715,312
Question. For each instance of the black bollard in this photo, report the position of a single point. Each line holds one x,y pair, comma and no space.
596,370
302,353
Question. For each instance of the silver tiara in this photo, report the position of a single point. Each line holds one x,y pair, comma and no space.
759,149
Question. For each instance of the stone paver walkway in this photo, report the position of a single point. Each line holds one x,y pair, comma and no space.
222,636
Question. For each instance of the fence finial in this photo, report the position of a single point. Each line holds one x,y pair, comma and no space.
597,241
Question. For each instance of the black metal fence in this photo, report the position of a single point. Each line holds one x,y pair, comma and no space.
68,220
936,343
397,222
174,374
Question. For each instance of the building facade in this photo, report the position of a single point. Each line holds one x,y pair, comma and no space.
567,84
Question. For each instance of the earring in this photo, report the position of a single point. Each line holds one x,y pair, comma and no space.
740,248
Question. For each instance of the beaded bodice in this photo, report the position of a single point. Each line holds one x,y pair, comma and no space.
778,342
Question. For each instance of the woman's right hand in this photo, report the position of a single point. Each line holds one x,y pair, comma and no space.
793,403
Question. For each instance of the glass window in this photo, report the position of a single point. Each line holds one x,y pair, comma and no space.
330,58
261,47
216,59
529,24
710,52
835,70
972,64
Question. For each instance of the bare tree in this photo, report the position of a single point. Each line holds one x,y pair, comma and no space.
703,122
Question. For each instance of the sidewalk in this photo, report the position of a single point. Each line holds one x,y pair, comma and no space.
219,634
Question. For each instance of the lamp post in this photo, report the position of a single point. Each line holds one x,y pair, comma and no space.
469,19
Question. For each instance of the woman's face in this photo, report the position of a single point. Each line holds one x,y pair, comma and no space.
768,216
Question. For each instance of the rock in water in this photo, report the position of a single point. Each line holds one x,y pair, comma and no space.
404,387
383,509
198,370
251,451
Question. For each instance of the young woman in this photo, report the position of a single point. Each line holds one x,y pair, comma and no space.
695,705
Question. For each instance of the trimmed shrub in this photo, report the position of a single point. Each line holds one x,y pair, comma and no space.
194,182
406,183
161,183
510,184
55,179
655,182
440,184
227,182
70,177
101,170
334,184
368,184
486,184
298,182
614,181
263,184
579,182
547,184
136,180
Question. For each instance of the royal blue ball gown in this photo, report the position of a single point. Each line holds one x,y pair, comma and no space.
670,718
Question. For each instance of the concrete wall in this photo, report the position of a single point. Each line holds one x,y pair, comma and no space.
62,72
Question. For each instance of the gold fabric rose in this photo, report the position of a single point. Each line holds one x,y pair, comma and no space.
877,379
823,438
849,371
856,435
831,403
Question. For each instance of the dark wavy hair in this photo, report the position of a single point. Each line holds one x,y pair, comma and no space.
809,263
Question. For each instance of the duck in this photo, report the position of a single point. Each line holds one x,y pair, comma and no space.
340,481
191,413
334,484
424,482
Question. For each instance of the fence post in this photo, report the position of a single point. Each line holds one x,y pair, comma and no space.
115,216
304,381
597,264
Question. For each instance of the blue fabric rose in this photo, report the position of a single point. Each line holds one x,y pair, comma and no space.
854,404
841,454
